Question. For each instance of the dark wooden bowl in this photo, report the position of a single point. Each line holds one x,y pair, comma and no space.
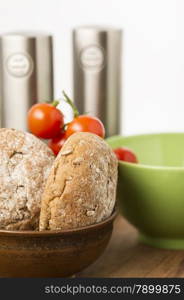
52,253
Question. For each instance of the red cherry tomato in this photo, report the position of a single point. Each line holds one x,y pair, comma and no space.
85,123
45,120
125,154
57,143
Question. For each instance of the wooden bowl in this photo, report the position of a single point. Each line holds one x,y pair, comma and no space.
52,253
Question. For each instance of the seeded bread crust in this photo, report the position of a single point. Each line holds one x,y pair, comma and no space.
81,188
25,163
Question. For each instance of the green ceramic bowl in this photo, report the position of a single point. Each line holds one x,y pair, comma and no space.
151,193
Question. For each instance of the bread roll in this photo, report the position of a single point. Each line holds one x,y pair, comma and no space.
81,188
25,162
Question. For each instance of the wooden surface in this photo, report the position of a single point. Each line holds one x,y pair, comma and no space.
126,257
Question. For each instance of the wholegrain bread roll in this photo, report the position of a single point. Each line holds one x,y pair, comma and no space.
25,162
81,188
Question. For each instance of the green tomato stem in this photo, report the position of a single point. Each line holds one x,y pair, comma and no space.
70,102
55,103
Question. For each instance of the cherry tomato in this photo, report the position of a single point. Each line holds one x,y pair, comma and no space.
45,120
85,123
57,143
126,154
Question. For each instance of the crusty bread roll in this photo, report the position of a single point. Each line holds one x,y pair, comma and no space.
25,162
81,188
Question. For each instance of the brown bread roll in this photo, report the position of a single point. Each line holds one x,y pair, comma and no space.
81,188
25,163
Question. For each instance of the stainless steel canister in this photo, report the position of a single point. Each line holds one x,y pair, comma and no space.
97,74
26,75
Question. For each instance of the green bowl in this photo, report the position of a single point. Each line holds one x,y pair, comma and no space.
151,193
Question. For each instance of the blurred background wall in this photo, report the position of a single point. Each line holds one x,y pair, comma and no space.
153,51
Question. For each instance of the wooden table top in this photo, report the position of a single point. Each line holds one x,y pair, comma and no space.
126,257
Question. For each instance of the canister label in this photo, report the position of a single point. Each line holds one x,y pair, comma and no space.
19,65
92,58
